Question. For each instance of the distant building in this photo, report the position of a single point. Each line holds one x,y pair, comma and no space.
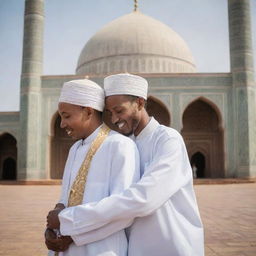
215,112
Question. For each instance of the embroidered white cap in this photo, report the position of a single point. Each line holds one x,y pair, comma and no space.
126,84
83,92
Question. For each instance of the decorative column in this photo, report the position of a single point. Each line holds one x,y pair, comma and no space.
30,105
244,100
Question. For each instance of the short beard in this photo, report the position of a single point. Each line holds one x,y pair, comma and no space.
135,124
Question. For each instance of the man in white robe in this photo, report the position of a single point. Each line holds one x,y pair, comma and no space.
113,168
163,203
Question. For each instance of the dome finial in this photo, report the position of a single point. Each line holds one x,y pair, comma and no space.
135,5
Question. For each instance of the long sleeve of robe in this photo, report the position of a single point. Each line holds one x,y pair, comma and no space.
163,202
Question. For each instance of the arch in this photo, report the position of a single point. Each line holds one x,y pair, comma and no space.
202,131
8,156
198,165
202,149
210,103
9,169
158,110
60,144
11,133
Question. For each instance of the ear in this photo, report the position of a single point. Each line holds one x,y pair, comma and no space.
88,112
141,103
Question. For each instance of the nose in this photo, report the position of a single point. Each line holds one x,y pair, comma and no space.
114,118
62,124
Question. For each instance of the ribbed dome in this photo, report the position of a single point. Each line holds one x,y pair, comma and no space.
135,43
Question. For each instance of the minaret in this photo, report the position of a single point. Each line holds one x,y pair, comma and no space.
240,37
244,91
135,5
30,107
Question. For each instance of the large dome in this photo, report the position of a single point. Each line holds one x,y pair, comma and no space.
135,43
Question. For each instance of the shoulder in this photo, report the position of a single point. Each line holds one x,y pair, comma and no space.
117,140
168,141
167,133
118,137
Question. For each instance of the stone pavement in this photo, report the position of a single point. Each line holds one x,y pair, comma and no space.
228,213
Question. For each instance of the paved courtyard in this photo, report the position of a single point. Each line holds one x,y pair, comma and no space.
228,213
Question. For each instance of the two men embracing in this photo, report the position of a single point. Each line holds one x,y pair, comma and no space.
122,195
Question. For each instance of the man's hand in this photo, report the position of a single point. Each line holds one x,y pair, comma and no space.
59,206
53,219
54,243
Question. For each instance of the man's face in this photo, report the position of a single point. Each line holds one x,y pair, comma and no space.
123,112
74,120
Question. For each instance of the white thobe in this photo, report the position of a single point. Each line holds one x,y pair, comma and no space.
114,167
167,219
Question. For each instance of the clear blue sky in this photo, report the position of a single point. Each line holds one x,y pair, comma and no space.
203,24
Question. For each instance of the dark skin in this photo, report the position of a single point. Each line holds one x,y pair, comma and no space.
127,113
57,244
79,122
52,217
54,243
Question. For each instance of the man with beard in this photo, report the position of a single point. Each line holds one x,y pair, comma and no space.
162,203
101,163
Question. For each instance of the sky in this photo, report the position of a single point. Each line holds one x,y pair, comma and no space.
203,24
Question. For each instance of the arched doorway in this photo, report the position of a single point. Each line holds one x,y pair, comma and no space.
203,136
158,110
198,162
60,145
9,169
8,157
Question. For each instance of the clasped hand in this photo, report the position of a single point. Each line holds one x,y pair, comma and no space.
54,243
53,219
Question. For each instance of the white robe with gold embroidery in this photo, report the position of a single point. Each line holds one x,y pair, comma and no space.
114,167
163,203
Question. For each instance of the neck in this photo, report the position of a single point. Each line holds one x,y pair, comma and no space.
143,122
94,125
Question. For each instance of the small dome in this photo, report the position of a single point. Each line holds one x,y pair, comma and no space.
135,43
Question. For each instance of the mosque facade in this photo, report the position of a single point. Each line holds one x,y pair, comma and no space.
214,112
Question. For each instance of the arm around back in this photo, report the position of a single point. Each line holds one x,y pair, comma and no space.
168,172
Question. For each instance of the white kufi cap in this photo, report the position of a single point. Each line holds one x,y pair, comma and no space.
83,92
126,84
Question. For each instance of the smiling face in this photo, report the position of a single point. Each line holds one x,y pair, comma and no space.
124,112
74,119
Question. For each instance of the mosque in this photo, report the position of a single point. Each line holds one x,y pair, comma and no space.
214,112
